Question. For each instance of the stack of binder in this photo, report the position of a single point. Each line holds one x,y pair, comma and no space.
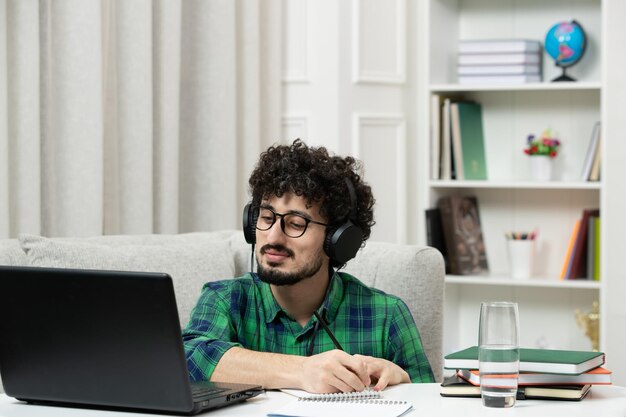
506,61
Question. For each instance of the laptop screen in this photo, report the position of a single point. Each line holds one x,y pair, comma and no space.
92,337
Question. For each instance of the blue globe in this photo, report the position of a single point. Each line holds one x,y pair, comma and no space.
565,43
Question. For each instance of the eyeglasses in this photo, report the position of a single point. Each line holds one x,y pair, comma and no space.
292,224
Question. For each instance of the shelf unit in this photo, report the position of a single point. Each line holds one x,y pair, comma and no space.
509,200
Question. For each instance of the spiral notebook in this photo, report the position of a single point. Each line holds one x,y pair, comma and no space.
366,403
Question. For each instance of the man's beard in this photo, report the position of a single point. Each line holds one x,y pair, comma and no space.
273,276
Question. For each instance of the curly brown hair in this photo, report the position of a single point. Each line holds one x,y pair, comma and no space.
312,173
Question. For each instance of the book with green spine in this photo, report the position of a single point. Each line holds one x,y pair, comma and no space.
554,361
468,124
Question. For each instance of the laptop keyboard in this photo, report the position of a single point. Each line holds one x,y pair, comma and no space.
199,391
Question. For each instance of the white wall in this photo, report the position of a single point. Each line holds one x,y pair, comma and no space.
348,84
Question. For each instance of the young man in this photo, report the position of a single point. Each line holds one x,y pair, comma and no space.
298,323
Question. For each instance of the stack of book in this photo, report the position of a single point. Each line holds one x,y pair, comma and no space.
544,374
508,61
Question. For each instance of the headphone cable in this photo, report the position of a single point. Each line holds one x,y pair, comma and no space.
252,260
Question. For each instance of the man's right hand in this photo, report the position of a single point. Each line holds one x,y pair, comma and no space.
334,371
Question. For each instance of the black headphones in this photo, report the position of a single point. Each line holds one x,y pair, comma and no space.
341,242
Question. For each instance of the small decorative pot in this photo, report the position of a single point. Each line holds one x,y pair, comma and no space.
541,167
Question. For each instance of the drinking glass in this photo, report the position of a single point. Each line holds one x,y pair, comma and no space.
498,353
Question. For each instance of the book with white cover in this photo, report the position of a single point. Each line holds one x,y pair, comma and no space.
499,59
435,135
446,145
597,376
591,152
493,46
499,69
595,167
499,79
455,138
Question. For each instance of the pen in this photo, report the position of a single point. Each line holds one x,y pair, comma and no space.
325,326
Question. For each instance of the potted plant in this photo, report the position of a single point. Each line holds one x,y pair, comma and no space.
542,150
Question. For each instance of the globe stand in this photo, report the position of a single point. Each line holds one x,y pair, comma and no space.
563,76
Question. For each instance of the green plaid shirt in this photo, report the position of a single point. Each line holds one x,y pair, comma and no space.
243,312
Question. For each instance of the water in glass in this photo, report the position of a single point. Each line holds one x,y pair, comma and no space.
498,353
499,368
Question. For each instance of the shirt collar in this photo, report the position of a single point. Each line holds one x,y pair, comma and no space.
328,309
270,306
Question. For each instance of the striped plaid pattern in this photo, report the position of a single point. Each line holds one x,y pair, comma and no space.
243,312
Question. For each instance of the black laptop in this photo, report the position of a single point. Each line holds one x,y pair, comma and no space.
101,339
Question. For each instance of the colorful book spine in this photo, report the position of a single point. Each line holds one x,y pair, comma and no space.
570,247
596,267
591,247
578,264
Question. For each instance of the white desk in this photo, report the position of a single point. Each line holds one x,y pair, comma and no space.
605,401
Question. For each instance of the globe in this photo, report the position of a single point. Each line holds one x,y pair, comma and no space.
565,43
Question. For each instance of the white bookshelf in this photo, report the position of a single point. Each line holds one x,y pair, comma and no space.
509,200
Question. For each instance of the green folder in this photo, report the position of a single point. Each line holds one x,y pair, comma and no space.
551,361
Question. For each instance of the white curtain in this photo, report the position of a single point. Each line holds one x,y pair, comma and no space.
127,117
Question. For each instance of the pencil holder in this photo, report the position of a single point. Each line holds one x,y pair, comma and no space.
521,253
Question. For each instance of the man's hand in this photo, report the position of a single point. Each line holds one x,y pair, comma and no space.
335,371
383,372
332,371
